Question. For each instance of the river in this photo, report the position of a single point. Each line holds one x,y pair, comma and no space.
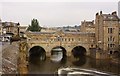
49,67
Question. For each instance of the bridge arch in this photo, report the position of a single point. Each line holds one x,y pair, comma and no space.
37,52
63,49
78,51
59,52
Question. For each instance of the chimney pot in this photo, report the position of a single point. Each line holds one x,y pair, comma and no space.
100,12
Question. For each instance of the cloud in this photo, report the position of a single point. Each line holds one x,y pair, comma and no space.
54,13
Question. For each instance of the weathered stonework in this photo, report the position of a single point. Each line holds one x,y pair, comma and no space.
67,40
87,26
22,59
107,33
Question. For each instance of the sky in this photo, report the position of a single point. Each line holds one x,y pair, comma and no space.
52,13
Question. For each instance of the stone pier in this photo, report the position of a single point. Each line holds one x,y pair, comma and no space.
22,59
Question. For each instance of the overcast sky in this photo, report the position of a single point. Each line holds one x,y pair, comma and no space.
54,13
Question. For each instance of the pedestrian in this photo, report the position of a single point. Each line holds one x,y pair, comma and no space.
10,40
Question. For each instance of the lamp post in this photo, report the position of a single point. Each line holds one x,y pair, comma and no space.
18,28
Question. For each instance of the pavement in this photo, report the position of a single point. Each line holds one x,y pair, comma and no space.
9,57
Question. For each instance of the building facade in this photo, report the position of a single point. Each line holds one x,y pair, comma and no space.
87,26
107,32
10,27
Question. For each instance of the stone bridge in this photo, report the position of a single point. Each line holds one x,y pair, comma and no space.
67,40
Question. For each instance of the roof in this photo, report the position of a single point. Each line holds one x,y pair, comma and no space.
9,24
110,17
41,32
64,32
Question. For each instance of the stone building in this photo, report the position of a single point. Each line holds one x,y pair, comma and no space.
10,27
87,26
107,32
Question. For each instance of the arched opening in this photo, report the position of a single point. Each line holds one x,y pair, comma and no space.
37,53
111,52
58,53
78,51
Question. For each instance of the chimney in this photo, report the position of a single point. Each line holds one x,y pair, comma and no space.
97,13
114,13
100,12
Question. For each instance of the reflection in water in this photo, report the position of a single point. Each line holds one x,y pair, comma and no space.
34,58
35,61
105,65
47,66
80,62
80,72
57,56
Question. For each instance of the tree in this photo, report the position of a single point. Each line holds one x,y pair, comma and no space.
34,27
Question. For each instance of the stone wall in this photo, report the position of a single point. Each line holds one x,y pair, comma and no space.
22,59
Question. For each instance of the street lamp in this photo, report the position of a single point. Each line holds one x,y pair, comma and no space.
18,25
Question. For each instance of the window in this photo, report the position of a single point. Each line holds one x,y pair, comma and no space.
113,39
110,38
91,45
62,39
111,17
58,39
72,39
110,30
65,39
69,39
111,45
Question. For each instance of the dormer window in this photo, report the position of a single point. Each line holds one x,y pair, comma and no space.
110,17
104,16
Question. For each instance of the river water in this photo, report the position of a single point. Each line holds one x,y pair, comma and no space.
49,67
